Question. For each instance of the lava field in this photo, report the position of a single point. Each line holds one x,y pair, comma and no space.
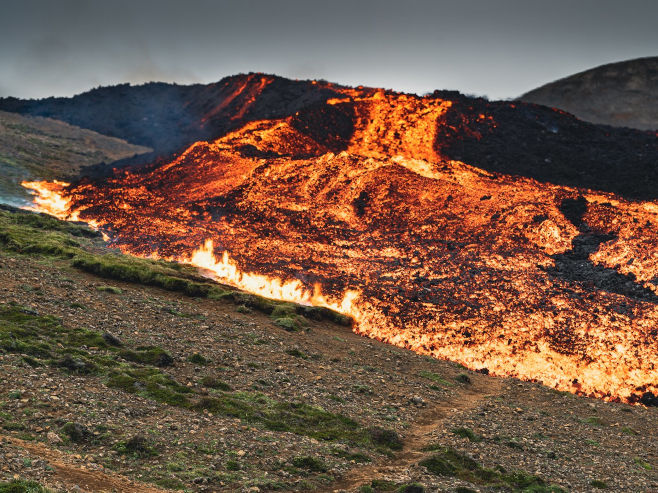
509,237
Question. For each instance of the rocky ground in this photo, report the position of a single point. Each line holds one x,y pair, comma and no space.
135,388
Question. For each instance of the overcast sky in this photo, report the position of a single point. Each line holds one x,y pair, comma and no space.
495,48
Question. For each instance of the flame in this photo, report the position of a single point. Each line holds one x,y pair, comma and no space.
49,198
225,270
363,214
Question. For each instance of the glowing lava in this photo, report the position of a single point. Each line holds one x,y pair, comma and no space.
352,205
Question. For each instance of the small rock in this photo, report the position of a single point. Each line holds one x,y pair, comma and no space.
418,401
53,438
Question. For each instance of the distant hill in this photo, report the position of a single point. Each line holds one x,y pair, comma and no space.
623,94
33,148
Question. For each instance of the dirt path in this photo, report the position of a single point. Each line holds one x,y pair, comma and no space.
72,475
419,436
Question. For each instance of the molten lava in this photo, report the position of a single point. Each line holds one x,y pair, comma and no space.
353,204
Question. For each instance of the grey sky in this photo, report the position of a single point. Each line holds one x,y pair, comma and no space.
495,48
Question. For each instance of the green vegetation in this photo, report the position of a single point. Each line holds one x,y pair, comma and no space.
596,483
213,383
382,485
47,342
137,371
21,486
463,378
75,432
138,447
310,463
434,377
151,383
357,457
295,417
642,463
296,353
291,324
109,289
385,438
467,433
592,420
197,359
629,431
449,462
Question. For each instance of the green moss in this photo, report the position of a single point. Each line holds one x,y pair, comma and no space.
467,433
138,447
357,457
197,359
296,353
642,463
291,324
592,420
75,432
449,462
213,383
436,378
21,486
596,483
150,383
170,483
40,234
309,463
411,488
378,485
463,378
385,438
109,289
283,310
294,417
148,355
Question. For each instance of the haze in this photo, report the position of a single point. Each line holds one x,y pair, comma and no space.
498,49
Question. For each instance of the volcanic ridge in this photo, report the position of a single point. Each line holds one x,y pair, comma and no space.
509,237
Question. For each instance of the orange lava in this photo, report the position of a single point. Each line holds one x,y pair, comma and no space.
365,216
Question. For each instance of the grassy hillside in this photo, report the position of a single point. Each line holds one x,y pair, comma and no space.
43,148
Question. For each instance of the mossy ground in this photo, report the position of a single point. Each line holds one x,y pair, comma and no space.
49,342
20,486
450,462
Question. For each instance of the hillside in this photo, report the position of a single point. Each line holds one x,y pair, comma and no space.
111,384
169,117
621,94
42,148
359,204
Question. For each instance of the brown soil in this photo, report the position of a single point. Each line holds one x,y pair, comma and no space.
71,475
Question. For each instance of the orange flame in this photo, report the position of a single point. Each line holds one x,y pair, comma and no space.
226,271
49,198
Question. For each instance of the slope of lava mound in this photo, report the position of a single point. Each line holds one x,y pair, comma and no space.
356,200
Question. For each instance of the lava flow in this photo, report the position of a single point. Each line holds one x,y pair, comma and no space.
359,204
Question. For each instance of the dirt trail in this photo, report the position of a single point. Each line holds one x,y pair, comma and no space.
73,475
420,435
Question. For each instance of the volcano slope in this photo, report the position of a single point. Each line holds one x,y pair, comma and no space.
358,203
